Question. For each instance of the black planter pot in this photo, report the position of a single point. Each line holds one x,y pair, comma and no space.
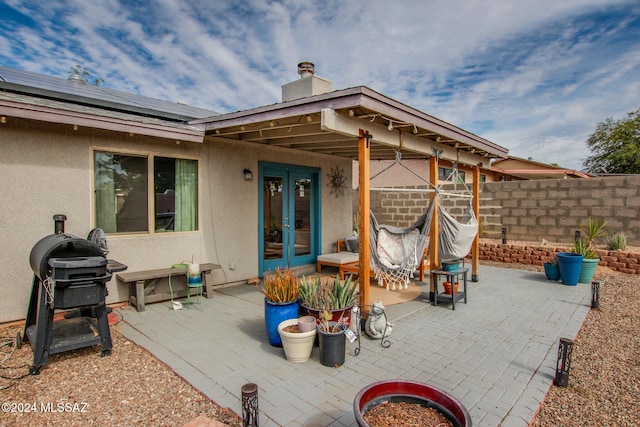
332,345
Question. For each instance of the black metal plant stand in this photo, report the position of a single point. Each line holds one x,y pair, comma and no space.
360,325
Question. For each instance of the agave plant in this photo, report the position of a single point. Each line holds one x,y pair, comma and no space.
282,287
325,294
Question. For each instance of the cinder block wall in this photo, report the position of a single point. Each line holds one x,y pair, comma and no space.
530,210
553,209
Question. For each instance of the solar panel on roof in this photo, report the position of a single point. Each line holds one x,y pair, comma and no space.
61,89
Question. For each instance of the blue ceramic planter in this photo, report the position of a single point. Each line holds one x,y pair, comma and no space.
274,313
570,265
551,271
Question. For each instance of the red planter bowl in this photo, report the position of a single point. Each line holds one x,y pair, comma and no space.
409,391
343,314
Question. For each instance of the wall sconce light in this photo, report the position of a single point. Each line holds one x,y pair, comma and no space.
248,175
3,119
390,127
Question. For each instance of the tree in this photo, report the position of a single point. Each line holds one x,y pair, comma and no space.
615,146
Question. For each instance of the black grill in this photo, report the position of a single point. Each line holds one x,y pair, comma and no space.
69,273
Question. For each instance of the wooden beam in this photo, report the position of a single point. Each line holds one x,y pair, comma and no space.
332,121
475,248
433,232
363,214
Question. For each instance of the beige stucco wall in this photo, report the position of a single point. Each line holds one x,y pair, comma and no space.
47,169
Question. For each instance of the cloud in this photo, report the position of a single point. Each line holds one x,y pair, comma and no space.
533,76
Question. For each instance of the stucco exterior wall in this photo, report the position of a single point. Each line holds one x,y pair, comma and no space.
48,169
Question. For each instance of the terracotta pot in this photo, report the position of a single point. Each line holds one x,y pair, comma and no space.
447,288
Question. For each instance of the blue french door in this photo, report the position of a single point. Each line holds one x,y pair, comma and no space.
289,218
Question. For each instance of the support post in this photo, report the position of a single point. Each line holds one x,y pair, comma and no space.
475,248
364,204
433,232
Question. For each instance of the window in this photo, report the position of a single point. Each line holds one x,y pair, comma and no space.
122,193
483,177
444,174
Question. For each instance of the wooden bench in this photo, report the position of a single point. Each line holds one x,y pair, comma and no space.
143,283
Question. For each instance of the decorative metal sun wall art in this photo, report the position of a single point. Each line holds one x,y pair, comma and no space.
337,181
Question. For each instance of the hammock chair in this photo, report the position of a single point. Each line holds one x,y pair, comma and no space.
396,252
455,238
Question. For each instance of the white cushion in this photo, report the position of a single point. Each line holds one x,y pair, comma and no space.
339,258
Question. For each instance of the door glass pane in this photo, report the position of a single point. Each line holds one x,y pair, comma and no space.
302,216
273,217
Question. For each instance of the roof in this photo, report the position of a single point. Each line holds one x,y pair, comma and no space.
328,123
529,169
79,92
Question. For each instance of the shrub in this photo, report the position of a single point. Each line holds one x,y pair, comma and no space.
617,242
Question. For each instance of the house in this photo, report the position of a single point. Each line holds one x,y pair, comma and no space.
250,190
515,169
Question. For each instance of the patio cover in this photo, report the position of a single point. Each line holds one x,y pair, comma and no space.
361,124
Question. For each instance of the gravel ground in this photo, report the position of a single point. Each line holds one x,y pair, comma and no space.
131,387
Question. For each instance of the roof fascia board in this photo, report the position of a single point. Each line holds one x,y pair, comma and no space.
276,111
42,113
355,97
127,107
332,121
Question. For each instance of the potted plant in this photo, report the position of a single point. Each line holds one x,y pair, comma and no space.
331,339
297,344
280,302
585,246
551,269
332,295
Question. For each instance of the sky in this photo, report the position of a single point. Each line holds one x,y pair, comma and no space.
534,76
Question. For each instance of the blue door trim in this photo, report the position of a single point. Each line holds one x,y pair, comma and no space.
288,173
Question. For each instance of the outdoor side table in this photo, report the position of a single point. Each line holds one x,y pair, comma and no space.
451,276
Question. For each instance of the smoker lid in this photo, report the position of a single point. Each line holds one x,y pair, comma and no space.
78,262
60,246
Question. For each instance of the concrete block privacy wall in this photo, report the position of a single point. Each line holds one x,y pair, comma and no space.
549,210
554,209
